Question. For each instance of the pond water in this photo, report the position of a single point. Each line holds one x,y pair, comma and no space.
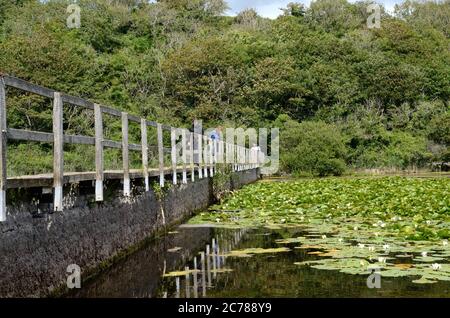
152,271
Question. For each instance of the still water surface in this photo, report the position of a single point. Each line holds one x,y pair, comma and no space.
263,275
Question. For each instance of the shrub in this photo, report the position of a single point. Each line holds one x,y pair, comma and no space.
314,148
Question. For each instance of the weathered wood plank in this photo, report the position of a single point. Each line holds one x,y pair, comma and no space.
173,140
77,101
112,144
3,147
80,140
216,154
134,118
152,123
144,143
211,157
28,135
160,155
235,157
111,111
19,134
184,154
205,156
220,151
98,153
58,152
119,145
28,87
46,180
200,155
125,156
247,158
191,158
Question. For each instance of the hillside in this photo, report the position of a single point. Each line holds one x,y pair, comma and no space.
344,96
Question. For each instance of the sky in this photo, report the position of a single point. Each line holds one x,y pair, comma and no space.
271,8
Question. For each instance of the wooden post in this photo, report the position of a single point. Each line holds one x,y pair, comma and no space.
229,154
125,158
184,154
160,155
216,154
235,156
191,141
98,153
200,156
225,157
244,161
245,158
205,156
144,143
58,152
3,130
239,158
173,141
242,158
221,157
211,157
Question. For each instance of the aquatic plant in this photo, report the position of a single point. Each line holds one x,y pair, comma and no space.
411,217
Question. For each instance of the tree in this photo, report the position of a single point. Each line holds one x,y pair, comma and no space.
248,18
335,16
295,9
426,13
314,148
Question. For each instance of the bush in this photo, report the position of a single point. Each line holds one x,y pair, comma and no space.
313,148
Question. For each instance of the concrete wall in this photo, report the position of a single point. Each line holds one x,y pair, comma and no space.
35,251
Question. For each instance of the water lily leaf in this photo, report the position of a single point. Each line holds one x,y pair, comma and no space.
389,217
250,251
427,259
395,273
424,280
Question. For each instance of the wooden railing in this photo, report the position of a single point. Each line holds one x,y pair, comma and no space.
208,155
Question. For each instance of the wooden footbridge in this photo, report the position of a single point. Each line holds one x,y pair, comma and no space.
207,152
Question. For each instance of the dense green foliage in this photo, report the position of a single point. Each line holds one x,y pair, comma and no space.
371,97
314,147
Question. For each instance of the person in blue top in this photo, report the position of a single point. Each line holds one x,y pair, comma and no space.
214,135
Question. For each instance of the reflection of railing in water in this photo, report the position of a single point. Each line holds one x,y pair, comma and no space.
212,261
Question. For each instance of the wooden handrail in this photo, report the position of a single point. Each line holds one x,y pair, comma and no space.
207,155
